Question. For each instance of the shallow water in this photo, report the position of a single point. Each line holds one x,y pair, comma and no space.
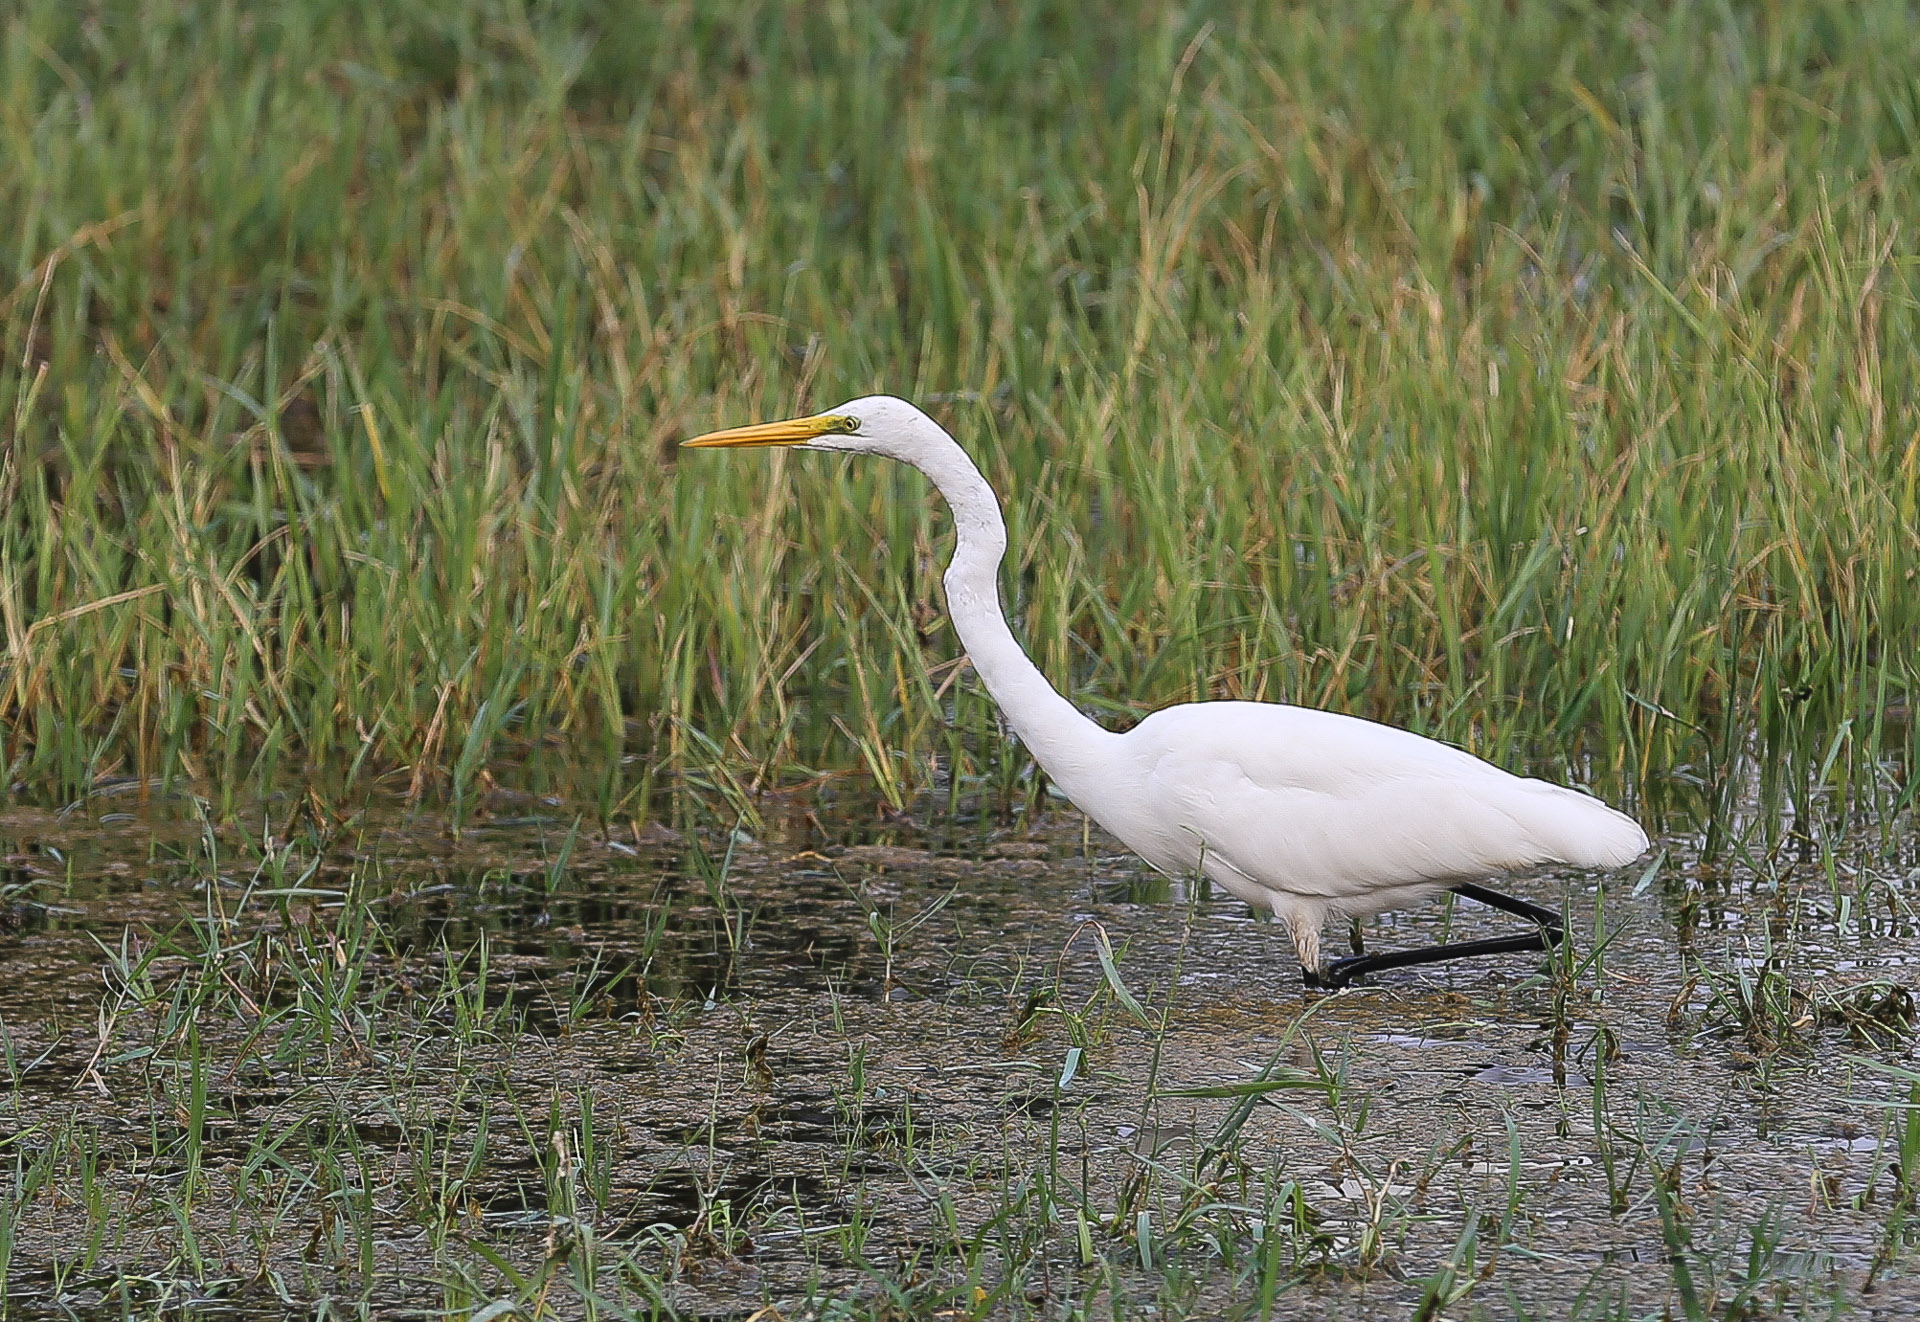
709,1072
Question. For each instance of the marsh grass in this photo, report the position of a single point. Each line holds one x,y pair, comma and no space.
1539,377
1543,381
400,1071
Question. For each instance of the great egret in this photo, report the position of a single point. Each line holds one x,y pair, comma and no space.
1299,812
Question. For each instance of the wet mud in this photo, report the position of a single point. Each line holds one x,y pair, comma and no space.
1005,1073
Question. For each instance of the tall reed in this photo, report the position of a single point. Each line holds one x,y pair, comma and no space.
1543,380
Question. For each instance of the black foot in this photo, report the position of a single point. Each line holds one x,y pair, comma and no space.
1551,931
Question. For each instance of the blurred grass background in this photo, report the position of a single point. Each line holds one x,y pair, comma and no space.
1538,376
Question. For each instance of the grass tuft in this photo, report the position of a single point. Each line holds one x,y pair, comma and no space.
1543,381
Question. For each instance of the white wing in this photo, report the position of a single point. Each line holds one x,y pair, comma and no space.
1341,812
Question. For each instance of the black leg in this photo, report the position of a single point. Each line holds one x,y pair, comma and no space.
1551,930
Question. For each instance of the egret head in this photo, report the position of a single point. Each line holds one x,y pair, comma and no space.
872,424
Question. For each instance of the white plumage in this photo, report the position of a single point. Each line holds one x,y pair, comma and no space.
1310,813
1299,812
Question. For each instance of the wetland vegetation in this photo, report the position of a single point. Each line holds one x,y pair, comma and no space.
457,864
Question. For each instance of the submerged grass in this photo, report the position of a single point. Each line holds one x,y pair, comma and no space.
1538,377
390,1074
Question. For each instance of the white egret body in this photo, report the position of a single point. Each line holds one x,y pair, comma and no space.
1301,813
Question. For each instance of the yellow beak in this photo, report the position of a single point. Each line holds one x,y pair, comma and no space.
795,431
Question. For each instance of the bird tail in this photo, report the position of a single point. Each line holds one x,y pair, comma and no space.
1587,833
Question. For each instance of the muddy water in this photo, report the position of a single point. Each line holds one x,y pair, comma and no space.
709,1072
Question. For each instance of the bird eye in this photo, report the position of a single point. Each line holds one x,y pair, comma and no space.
848,423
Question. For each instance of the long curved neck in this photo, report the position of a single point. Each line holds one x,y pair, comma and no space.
1067,744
